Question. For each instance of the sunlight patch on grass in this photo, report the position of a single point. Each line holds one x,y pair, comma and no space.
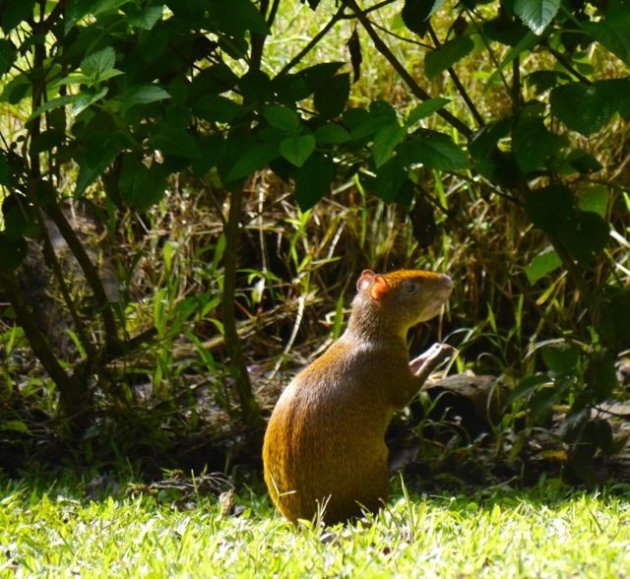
527,534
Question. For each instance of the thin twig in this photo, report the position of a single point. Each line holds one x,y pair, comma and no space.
91,275
415,88
458,84
517,99
563,61
493,57
51,260
249,408
312,42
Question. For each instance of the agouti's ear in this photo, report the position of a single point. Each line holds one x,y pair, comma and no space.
366,279
379,289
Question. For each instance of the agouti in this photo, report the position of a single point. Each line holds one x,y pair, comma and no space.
324,448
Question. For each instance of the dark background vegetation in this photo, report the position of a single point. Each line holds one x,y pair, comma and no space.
190,189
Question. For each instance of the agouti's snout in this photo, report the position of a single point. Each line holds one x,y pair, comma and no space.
446,282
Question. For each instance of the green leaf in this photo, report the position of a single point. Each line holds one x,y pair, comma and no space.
101,146
47,140
330,100
297,150
585,236
4,169
489,159
550,208
390,179
212,150
143,95
533,144
587,109
20,219
543,80
16,89
600,375
251,161
86,99
370,126
426,109
217,108
314,180
385,141
12,252
77,9
614,328
13,12
256,87
561,358
172,138
99,63
216,79
505,30
290,88
416,14
536,14
485,141
237,16
52,104
331,134
613,33
282,118
437,151
320,75
143,18
541,405
8,53
525,44
141,187
528,386
15,426
45,192
595,199
583,162
543,264
447,55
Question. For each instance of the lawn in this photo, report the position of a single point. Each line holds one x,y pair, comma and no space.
547,531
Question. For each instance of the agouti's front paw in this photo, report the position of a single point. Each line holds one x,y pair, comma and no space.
426,362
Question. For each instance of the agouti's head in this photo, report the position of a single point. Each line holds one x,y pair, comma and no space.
400,299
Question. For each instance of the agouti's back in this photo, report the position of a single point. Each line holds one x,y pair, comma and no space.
324,446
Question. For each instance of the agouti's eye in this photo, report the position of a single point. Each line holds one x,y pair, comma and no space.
410,287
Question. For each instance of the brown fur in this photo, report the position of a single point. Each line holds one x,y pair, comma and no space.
324,446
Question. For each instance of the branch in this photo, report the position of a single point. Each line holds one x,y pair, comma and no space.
517,98
258,41
339,15
415,88
249,408
312,42
52,261
458,84
273,12
563,61
72,396
493,56
91,275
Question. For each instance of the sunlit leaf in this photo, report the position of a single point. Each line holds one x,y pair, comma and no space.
536,14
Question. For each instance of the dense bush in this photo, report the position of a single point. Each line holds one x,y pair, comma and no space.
179,182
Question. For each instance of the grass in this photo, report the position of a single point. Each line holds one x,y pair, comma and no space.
542,532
